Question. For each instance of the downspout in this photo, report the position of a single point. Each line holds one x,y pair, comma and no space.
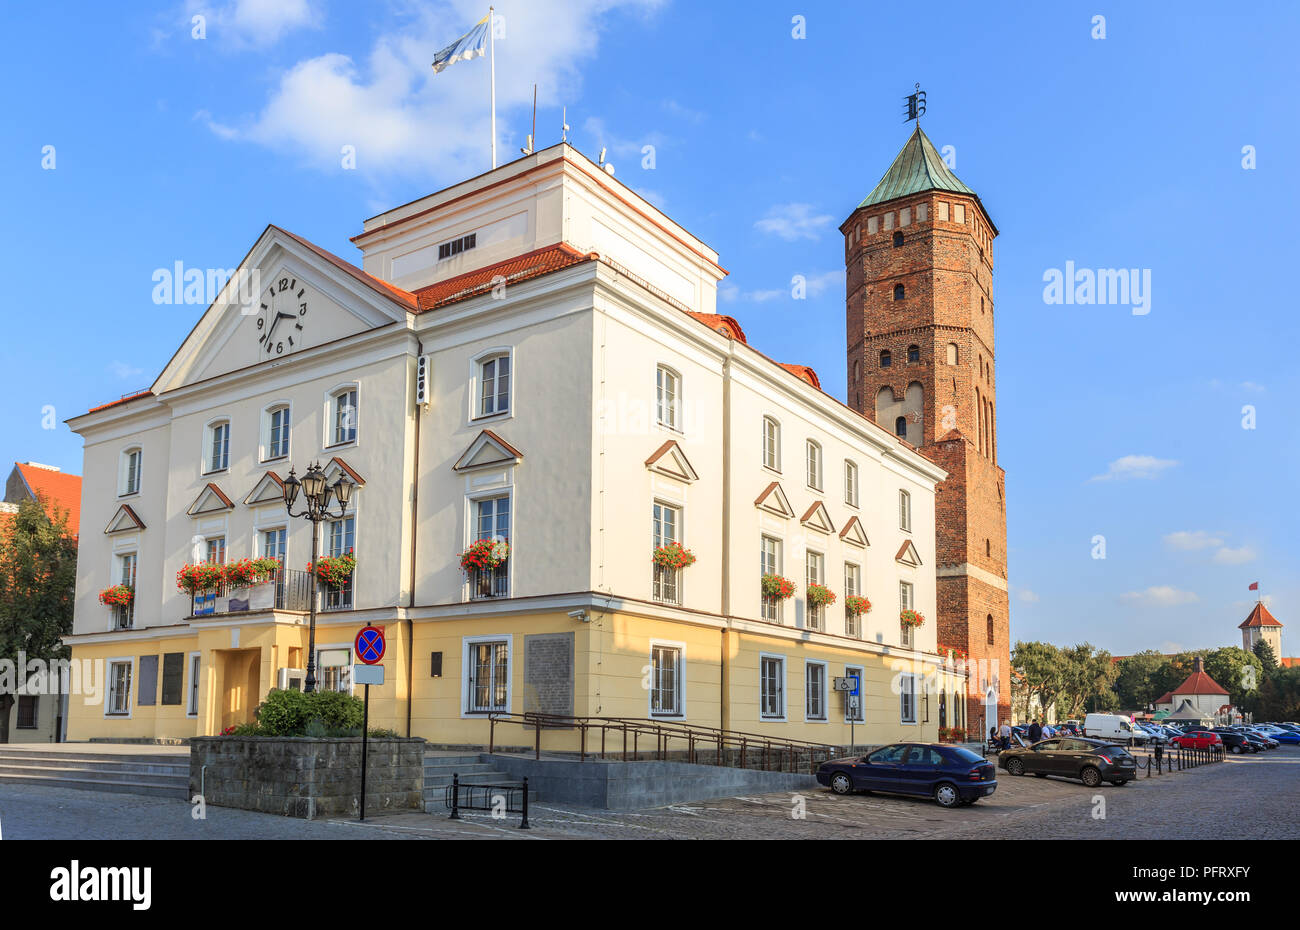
415,536
724,713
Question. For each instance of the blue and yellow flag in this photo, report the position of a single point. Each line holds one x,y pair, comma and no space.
468,46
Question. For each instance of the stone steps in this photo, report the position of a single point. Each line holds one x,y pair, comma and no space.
155,775
469,769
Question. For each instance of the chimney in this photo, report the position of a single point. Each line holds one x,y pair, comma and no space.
1198,665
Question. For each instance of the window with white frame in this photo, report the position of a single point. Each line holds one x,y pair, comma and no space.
491,520
493,385
129,477
855,711
334,669
667,522
665,680
771,686
907,698
216,550
852,588
668,386
119,687
905,511
814,573
770,564
850,483
905,603
273,543
343,417
217,447
124,617
488,666
342,540
771,444
276,433
814,465
814,690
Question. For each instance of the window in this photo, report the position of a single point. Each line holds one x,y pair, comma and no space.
814,573
489,671
342,540
334,670
771,444
907,698
129,477
772,687
456,246
898,239
952,353
913,353
852,587
906,630
216,550
343,417
119,687
27,718
959,213
277,433
988,624
857,371
273,544
124,617
905,511
900,427
886,359
814,465
850,483
491,516
667,395
494,385
665,681
667,521
988,548
193,707
218,447
943,210
905,216
770,564
814,690
899,292
855,704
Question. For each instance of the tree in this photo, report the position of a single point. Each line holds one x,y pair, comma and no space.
1239,671
1175,671
1279,695
1038,665
1137,683
1087,673
38,575
1264,652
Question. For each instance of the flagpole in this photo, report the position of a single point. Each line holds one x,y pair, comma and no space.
492,55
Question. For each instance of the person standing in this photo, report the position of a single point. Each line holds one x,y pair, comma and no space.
1005,733
1035,731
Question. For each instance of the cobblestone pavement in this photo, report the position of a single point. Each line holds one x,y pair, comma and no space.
1253,797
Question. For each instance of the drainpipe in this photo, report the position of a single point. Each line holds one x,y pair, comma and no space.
415,536
723,710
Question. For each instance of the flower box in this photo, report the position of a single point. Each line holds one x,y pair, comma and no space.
484,554
819,595
673,556
911,618
857,605
776,588
119,595
334,571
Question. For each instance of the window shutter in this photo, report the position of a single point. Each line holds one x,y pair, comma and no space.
148,681
173,675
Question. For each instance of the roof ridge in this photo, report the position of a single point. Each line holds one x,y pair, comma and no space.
917,167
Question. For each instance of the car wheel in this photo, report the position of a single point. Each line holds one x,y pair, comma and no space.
1237,750
946,794
1015,767
1090,776
841,783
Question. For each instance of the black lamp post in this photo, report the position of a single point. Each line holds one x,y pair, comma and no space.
316,492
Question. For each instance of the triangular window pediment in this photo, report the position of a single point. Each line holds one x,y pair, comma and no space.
670,460
124,520
907,554
818,519
336,466
210,500
773,500
269,490
487,450
854,534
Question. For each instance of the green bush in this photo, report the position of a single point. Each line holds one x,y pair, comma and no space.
288,713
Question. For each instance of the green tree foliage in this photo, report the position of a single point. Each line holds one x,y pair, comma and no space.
1279,695
1239,671
38,576
1038,667
1267,657
1138,681
1087,673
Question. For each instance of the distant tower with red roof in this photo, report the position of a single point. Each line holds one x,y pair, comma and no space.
919,334
1261,625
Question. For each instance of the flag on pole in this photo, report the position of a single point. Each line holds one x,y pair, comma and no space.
1254,586
471,45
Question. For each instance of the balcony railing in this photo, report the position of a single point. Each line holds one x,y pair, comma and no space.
489,582
124,617
851,624
288,589
771,609
664,587
816,617
339,598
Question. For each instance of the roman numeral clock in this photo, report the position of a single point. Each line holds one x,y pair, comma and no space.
283,318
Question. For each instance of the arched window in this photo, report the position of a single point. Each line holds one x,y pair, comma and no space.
275,432
343,416
913,353
989,624
898,292
857,371
898,239
771,444
885,358
943,707
952,353
900,427
988,548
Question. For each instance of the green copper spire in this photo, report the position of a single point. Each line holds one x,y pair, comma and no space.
917,168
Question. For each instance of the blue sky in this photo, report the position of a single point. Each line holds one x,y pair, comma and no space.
1116,152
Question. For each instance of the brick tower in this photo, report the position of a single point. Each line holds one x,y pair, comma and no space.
919,327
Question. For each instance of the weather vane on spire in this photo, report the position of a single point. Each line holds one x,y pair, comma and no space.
915,105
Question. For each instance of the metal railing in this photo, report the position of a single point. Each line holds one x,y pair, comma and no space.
290,590
339,598
698,744
489,582
124,617
664,585
460,797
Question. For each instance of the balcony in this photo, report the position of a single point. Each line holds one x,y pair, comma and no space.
664,587
287,590
124,617
489,582
339,598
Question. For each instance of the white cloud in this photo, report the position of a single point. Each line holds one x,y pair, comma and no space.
1159,596
217,129
674,108
1026,596
256,23
818,283
402,118
1252,386
1191,540
124,371
1135,466
791,221
1238,556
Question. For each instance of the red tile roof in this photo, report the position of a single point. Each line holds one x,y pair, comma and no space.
121,400
721,323
58,489
1166,698
512,270
405,298
1289,661
1259,617
804,372
1199,683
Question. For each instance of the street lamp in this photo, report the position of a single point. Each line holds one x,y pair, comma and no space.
316,491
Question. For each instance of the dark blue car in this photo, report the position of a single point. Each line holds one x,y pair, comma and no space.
952,775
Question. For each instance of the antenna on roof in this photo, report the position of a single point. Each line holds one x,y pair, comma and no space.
609,168
528,149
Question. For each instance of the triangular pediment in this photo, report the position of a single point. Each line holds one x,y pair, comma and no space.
816,518
270,490
773,500
287,294
907,554
336,466
487,450
670,460
210,500
125,520
854,534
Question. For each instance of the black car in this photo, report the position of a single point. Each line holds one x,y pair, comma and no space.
1234,741
1092,761
952,775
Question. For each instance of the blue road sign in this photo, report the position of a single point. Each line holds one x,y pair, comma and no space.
370,645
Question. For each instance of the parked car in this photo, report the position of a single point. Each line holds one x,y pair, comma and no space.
1112,727
1197,739
1155,735
1288,737
952,775
1236,742
1266,739
1092,761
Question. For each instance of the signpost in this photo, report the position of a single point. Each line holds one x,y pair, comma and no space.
370,646
851,685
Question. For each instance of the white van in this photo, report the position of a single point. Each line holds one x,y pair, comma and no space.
1112,726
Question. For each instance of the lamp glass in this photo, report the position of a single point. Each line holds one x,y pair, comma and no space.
313,482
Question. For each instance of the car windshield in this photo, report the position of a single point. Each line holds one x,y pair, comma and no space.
962,754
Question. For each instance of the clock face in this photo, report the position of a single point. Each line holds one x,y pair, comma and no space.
282,318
